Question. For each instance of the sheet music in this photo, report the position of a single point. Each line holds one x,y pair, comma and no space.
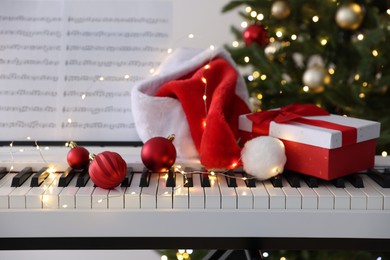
67,67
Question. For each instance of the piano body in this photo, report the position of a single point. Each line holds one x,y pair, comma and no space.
201,211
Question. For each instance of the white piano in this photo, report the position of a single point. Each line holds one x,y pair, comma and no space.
225,215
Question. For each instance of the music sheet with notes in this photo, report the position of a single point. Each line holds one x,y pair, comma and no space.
67,67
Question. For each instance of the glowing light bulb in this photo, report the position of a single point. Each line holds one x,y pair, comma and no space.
357,77
151,71
164,257
101,78
204,80
234,165
204,123
191,36
244,24
83,96
248,9
207,66
362,95
315,18
169,51
375,53
305,88
126,76
260,17
69,120
246,59
384,154
324,42
253,14
279,34
204,97
293,37
212,47
360,37
235,44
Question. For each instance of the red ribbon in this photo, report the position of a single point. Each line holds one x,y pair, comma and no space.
296,112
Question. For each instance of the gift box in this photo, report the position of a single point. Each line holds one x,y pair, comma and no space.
317,143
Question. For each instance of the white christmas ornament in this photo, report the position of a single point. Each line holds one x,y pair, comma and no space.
263,157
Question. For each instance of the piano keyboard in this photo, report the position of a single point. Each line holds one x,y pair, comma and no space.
36,202
69,189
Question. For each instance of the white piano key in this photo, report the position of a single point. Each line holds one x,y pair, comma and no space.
6,178
293,197
196,193
100,198
374,197
50,199
34,197
17,198
309,196
260,196
325,197
5,190
148,194
164,193
384,191
342,200
244,195
277,198
358,197
180,193
67,197
133,193
116,198
228,194
84,196
212,196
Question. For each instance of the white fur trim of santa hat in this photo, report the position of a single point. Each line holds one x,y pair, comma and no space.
163,116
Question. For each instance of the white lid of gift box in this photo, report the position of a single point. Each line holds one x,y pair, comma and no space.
318,136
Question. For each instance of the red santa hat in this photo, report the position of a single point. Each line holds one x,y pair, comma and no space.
198,96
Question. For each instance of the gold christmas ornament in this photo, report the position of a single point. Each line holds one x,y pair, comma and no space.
271,49
280,9
315,78
350,16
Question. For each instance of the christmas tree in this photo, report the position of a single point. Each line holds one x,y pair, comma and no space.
332,53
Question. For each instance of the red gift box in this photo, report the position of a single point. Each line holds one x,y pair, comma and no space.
317,143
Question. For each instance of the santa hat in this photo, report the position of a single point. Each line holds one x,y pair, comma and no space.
198,96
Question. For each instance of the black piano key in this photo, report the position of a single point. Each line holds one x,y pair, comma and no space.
383,179
171,180
231,179
204,179
312,182
145,178
277,181
21,177
39,177
355,180
188,180
129,176
339,182
82,178
293,178
66,177
249,180
3,172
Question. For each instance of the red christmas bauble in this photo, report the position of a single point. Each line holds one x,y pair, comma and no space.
158,154
255,33
78,158
107,170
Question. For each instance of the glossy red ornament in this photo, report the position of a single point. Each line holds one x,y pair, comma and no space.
159,154
107,170
255,33
77,157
